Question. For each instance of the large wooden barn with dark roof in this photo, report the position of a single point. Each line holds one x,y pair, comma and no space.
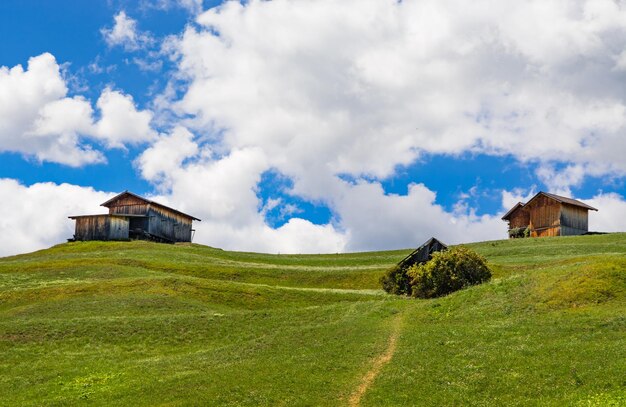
549,215
134,217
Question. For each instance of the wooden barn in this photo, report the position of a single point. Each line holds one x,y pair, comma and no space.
548,215
134,217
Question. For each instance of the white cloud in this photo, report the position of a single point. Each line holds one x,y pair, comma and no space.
375,220
610,215
38,213
222,192
166,155
620,61
124,33
148,64
38,119
120,121
402,78
511,198
559,181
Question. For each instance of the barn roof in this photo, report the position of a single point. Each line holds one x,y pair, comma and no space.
513,209
563,199
108,203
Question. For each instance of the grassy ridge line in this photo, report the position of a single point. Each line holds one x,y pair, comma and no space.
146,324
348,271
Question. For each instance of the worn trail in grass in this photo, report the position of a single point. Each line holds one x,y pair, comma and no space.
147,324
378,363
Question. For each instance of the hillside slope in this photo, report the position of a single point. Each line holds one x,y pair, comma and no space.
148,324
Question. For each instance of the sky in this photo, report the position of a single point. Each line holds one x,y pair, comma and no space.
310,126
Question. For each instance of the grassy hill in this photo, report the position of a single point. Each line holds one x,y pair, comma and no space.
149,324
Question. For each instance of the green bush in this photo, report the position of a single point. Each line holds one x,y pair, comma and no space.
396,281
447,272
519,232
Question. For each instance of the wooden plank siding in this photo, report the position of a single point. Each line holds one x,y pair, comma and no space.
545,217
169,224
519,219
161,222
546,232
129,205
574,220
101,227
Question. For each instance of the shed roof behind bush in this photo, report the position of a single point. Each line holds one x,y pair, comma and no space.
423,253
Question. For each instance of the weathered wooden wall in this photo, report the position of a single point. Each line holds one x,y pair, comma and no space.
101,227
545,232
574,220
168,224
129,205
545,216
519,219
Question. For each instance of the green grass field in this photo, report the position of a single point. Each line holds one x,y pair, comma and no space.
150,324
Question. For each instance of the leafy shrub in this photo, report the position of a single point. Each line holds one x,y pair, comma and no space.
447,272
396,281
519,232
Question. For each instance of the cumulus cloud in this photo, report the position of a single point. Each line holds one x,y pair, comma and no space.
124,33
610,216
559,181
120,121
376,220
511,198
38,119
222,191
166,155
404,78
38,213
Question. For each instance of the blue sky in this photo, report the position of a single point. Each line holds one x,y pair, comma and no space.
313,126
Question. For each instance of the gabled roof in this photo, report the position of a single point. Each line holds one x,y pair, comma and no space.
562,199
423,253
108,203
513,209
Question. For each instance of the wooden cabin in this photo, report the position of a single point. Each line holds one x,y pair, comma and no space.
548,215
134,217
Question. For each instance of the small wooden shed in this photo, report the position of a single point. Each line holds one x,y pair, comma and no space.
134,217
548,214
423,253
